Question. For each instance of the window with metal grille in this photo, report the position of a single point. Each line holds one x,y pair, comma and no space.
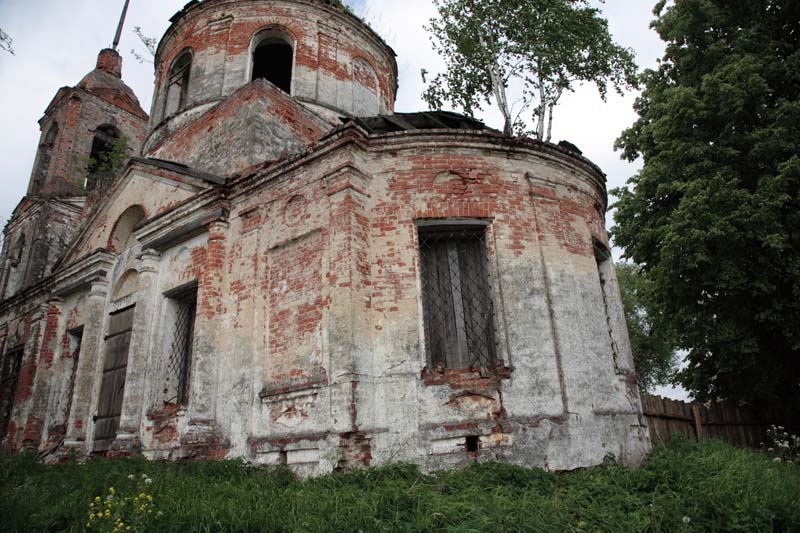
184,306
457,303
8,386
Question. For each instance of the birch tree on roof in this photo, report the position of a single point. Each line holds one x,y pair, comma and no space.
542,48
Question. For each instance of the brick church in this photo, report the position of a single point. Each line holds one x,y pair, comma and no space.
287,271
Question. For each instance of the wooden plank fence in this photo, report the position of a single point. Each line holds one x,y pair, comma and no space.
738,426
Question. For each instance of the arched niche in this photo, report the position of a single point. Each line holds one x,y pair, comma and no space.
45,154
272,57
128,284
122,236
18,250
366,91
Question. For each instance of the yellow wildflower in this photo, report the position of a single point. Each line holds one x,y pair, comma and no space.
111,490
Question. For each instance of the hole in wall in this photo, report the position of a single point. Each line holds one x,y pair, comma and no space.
473,443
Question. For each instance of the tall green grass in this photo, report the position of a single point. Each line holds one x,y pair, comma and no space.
686,486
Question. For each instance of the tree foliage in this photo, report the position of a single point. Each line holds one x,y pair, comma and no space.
150,45
101,171
714,215
540,48
652,342
6,42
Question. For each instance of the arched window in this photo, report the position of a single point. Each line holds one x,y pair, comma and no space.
15,270
52,133
122,236
45,151
273,57
178,83
19,249
100,163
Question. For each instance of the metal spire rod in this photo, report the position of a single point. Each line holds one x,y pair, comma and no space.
118,36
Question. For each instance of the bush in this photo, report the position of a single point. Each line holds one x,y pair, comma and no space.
685,486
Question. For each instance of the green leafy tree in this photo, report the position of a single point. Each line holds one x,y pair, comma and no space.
652,342
101,171
539,48
6,42
714,215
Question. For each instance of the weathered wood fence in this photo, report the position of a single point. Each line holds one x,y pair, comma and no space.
735,425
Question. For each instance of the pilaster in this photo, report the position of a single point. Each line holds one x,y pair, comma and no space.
48,318
202,437
88,359
351,364
128,434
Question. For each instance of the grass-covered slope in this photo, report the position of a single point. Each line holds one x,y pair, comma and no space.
685,487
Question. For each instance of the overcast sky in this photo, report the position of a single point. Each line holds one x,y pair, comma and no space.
56,44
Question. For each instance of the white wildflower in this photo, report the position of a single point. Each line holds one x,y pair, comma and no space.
131,476
776,460
148,481
686,519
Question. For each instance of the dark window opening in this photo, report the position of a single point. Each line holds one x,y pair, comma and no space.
180,356
272,60
457,305
178,84
472,443
100,158
8,387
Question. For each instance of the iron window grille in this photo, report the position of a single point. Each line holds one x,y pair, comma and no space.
458,311
181,347
8,386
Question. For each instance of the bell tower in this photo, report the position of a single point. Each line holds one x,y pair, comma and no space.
80,128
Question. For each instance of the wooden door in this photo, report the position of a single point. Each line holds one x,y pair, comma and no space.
112,388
